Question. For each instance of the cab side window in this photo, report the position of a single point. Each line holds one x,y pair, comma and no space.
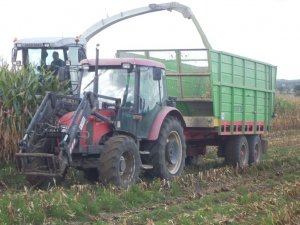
149,88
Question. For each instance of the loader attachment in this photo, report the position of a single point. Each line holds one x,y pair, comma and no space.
50,165
47,146
39,150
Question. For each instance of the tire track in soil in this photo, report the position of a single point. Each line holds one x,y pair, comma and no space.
213,181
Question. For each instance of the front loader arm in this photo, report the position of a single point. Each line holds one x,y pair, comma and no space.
42,127
46,109
80,117
86,108
49,107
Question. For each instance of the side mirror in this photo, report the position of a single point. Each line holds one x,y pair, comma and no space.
156,73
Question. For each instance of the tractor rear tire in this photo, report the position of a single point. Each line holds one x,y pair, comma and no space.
120,162
255,149
40,146
168,153
237,151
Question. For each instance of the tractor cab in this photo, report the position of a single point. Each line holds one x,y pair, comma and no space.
39,53
139,85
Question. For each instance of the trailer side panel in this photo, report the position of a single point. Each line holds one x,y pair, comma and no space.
243,93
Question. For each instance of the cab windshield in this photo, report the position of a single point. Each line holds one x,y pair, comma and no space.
116,83
38,57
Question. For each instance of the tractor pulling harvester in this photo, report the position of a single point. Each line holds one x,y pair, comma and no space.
151,110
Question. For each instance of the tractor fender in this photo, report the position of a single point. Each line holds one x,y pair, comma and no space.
160,117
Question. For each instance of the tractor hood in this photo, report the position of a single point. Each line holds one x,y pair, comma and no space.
93,129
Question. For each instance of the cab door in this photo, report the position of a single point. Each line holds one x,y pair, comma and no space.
150,98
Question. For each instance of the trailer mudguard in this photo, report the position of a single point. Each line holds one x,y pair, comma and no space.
165,111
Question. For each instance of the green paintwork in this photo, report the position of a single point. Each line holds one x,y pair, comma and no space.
221,85
243,89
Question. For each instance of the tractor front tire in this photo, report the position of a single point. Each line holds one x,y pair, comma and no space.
237,151
255,149
119,162
168,153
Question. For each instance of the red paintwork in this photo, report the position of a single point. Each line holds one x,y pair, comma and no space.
237,128
100,127
120,61
197,134
249,127
153,135
226,128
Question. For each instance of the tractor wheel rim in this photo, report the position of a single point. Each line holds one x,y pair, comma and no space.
122,165
173,154
126,166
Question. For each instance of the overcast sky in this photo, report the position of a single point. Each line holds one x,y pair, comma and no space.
266,30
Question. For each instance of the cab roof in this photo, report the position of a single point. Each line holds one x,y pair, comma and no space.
55,42
120,61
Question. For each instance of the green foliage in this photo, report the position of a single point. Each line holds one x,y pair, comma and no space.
20,93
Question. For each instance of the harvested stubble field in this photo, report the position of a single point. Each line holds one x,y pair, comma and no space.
211,193
268,193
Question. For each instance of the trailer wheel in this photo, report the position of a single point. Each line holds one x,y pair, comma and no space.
168,153
120,162
237,151
40,146
255,149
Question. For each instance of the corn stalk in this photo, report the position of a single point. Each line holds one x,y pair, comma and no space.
20,93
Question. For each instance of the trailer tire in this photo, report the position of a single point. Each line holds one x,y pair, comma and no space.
237,151
255,149
168,153
41,146
120,162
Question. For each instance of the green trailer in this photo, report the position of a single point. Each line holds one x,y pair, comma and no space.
225,99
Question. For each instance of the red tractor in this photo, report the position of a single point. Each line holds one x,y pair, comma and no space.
122,122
